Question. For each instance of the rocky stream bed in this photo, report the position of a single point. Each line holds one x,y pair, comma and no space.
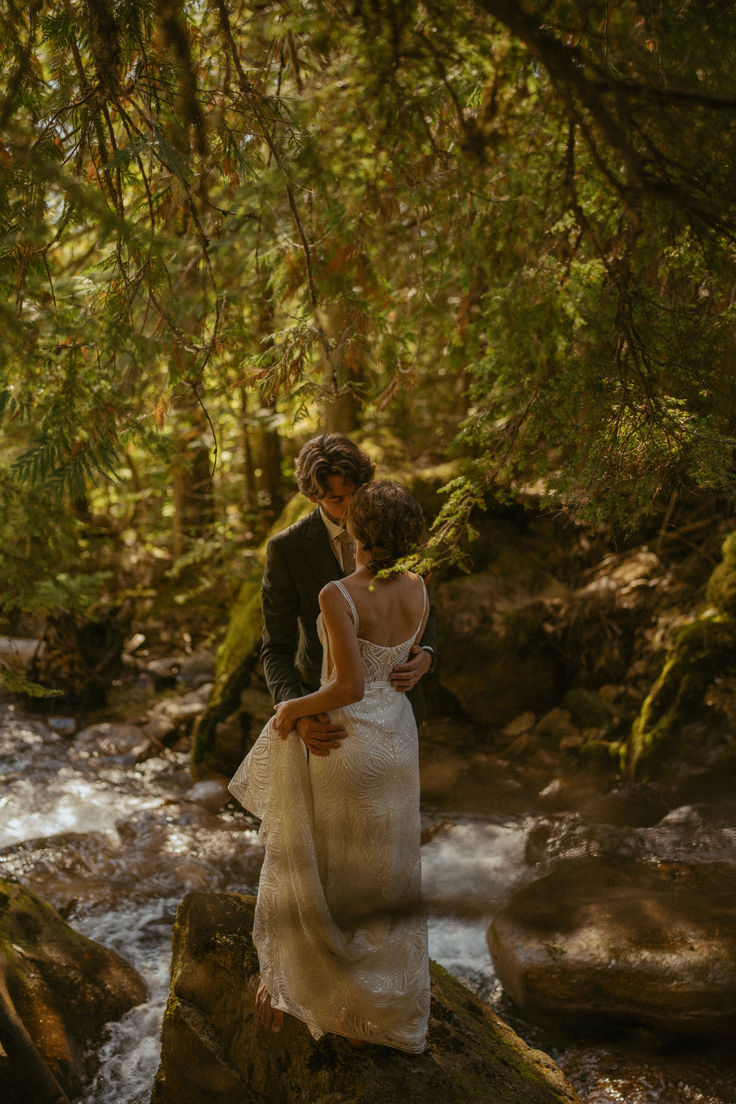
588,903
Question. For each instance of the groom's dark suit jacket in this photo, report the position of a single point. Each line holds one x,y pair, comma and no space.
299,562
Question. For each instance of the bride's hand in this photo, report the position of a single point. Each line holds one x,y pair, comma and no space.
285,719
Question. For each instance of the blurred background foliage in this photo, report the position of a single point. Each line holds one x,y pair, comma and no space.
496,231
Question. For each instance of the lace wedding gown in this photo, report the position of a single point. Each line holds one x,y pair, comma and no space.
339,929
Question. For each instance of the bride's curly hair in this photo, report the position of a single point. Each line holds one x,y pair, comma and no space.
387,521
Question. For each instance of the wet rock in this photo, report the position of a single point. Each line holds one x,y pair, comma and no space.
555,725
605,941
160,728
164,672
181,712
637,806
213,1044
64,726
66,868
440,773
496,656
520,725
108,740
210,793
589,709
63,988
198,668
204,690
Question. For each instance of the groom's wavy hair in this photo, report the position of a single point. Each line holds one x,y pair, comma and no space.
387,521
330,454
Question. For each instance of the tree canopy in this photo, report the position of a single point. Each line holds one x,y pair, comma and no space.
501,228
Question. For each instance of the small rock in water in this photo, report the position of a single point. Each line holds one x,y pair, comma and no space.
211,793
520,725
440,775
204,691
63,726
134,642
520,746
112,741
553,789
197,669
159,727
556,725
635,805
164,672
181,711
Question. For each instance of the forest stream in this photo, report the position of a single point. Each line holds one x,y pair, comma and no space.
115,843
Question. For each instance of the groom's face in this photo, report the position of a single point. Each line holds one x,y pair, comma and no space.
337,497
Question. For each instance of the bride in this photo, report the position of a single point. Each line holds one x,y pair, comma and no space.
340,935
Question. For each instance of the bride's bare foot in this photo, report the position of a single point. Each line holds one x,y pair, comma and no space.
271,1018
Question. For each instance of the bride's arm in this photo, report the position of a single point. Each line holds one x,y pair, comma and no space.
346,685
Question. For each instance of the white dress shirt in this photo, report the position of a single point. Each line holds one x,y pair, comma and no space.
335,533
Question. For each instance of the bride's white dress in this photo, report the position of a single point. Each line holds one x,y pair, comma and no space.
339,928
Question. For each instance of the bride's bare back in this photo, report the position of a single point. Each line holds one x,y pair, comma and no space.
389,610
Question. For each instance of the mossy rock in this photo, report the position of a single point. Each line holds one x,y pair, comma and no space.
675,729
214,1047
721,590
678,731
63,988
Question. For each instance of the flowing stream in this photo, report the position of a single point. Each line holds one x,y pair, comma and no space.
116,844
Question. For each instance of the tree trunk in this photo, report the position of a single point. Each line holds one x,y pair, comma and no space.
270,492
341,326
194,505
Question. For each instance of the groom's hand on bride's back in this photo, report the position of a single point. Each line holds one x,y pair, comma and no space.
406,675
319,734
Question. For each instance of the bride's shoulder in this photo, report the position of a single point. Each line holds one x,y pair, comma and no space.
333,595
329,590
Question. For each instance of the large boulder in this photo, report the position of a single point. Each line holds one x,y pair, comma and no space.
532,622
214,1047
497,659
57,990
605,941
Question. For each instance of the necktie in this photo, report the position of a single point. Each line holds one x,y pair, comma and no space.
348,552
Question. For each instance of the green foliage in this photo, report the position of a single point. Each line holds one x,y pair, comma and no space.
505,230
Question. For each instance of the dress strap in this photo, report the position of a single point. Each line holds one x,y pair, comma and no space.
353,611
424,608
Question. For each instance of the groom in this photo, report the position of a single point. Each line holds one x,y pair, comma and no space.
299,562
